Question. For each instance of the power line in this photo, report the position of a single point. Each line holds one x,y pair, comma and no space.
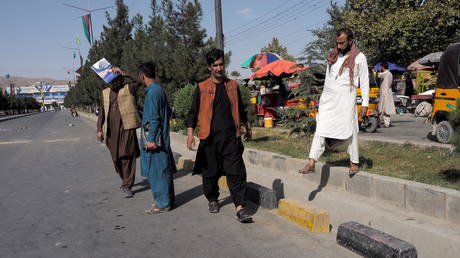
258,18
270,26
265,20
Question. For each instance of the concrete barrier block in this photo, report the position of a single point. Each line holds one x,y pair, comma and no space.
223,183
264,159
390,190
293,165
453,207
176,157
279,163
261,195
360,184
185,164
252,155
425,199
305,215
370,242
337,177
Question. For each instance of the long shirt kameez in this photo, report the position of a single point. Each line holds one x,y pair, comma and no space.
158,164
222,139
386,104
120,142
337,116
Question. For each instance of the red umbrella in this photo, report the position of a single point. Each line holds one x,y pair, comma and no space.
278,68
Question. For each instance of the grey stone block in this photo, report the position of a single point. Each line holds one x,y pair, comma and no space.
279,163
337,177
370,242
293,165
176,156
264,159
360,184
453,207
261,195
252,155
390,190
426,200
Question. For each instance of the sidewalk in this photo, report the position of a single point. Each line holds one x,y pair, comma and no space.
6,118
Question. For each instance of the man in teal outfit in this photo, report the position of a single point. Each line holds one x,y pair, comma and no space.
157,162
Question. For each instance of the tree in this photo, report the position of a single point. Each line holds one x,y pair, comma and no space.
402,31
235,74
275,47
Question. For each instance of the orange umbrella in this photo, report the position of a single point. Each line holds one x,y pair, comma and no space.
278,68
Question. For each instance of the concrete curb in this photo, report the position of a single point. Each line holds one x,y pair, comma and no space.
2,119
434,201
370,242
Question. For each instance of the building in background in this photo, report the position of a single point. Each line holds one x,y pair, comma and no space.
49,96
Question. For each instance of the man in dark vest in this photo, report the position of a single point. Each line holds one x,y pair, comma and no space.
117,122
217,110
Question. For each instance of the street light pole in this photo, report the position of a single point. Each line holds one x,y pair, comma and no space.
219,29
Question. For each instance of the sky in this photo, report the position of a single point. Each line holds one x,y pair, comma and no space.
35,33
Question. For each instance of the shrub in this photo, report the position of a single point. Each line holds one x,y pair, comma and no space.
182,100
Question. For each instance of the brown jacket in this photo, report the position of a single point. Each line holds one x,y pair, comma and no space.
207,95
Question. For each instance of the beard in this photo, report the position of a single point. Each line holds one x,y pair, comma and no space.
343,51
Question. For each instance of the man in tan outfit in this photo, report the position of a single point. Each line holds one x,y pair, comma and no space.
386,104
117,122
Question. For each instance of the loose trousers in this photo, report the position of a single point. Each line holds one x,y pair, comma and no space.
318,147
126,169
236,184
162,191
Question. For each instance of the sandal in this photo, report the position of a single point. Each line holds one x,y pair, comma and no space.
309,168
157,210
243,217
354,168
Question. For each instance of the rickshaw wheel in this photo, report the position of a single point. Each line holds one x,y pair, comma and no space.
371,125
444,132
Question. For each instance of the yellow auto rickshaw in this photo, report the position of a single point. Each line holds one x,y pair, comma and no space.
447,91
370,122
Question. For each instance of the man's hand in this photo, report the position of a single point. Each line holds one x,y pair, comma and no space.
150,146
100,136
117,70
363,111
191,142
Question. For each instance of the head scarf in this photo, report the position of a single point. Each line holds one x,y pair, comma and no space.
349,61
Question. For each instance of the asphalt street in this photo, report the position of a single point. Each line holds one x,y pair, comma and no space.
60,197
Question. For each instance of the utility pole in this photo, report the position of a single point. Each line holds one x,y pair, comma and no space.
219,29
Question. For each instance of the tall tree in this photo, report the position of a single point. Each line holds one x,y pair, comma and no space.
402,31
275,47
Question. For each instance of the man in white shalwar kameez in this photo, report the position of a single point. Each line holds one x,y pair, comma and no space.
337,118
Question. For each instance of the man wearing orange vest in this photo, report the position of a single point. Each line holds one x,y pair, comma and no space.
218,111
117,122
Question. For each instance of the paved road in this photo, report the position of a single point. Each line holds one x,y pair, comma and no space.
405,128
59,197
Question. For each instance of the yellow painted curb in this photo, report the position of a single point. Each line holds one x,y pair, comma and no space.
305,215
223,183
185,164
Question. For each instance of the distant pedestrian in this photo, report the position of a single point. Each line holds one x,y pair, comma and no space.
218,111
117,122
337,118
157,162
386,104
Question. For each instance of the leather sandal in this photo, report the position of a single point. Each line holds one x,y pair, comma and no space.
309,168
354,168
157,210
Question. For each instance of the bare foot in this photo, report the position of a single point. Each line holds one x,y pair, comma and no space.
354,168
